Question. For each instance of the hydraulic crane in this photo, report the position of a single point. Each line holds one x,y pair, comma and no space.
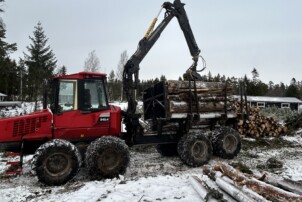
131,68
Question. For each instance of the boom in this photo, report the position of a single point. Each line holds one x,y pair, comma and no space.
131,68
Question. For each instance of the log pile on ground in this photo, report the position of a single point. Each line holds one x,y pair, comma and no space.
258,125
205,96
229,184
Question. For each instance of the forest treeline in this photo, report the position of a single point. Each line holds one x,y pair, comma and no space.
254,86
23,79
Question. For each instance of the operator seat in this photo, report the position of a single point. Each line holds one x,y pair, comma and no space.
87,99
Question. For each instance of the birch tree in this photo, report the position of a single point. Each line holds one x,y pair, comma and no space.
92,63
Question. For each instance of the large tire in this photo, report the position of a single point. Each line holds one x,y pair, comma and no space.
194,149
56,162
167,149
226,142
107,157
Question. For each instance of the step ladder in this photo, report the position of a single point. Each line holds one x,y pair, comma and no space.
15,167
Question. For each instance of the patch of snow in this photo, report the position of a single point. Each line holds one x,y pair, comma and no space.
295,139
293,169
249,139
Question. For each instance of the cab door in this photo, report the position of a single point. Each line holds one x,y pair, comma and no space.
80,105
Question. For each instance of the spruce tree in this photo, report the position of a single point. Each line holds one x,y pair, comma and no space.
40,62
61,71
8,67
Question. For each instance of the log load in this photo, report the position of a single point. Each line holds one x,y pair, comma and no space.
258,125
180,97
206,97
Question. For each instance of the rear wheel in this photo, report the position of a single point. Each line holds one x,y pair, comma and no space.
107,157
194,149
167,149
56,162
226,142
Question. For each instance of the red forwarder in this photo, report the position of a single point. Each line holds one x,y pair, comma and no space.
81,124
70,117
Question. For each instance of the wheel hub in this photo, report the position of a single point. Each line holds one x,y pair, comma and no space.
57,163
108,160
199,149
230,143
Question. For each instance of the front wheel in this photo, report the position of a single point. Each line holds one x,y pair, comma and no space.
107,157
194,149
56,162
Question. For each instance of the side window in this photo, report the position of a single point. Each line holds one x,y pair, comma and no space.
94,95
285,105
261,104
67,96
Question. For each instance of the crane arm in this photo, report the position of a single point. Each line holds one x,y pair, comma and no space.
131,68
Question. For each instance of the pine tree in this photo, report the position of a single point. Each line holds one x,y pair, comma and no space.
255,74
292,90
40,61
162,78
111,76
61,71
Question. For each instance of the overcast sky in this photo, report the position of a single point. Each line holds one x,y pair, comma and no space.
234,35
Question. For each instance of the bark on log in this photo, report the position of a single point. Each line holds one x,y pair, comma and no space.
208,90
285,184
200,97
175,84
183,107
215,174
200,189
268,191
232,190
258,125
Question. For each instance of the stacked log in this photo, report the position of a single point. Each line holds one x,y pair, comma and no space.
204,96
247,187
258,125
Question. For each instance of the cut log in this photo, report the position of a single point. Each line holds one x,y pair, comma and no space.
271,192
259,125
285,184
216,174
232,190
268,191
201,189
244,189
175,84
183,107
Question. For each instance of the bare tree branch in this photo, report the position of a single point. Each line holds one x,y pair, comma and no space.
92,63
121,64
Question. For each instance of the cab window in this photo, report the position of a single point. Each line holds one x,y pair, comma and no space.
67,91
94,95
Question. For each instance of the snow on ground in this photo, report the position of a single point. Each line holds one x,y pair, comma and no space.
149,177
